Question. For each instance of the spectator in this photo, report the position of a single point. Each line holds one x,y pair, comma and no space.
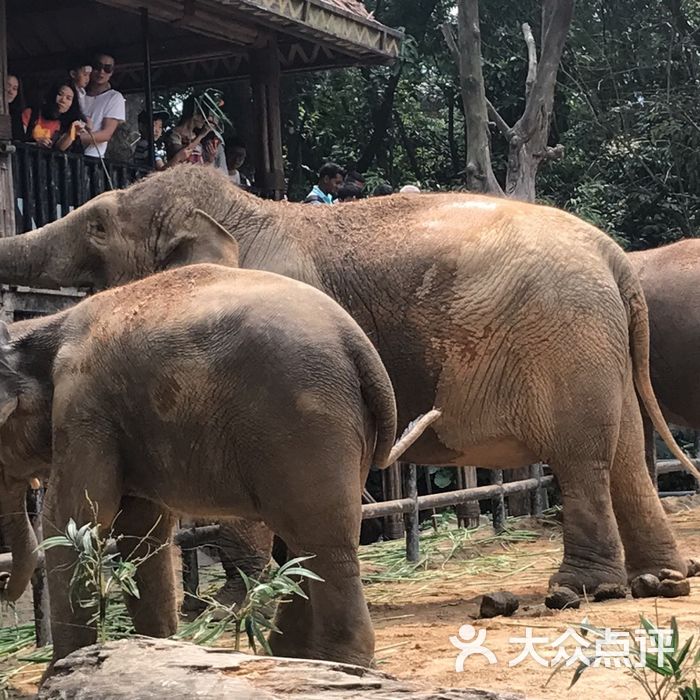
16,106
353,178
105,107
142,157
79,72
330,178
183,143
349,191
58,122
382,190
236,153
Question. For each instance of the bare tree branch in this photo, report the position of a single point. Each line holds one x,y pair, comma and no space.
451,41
531,59
541,96
499,120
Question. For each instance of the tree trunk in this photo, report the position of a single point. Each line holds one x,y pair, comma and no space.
150,668
381,121
479,173
527,146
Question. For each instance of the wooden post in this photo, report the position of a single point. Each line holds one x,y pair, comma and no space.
7,191
265,83
40,589
148,91
393,524
411,519
190,570
538,497
498,506
467,513
518,503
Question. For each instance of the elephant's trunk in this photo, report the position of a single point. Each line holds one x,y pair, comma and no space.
16,526
43,258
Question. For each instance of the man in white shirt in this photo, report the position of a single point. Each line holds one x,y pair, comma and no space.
105,106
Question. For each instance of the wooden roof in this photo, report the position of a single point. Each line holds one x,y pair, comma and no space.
194,41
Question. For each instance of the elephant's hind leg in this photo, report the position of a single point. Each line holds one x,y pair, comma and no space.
646,534
593,552
146,529
334,623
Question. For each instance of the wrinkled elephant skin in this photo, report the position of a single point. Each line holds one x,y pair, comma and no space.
215,392
526,326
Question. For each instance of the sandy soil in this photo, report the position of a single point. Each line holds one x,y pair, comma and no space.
415,619
414,622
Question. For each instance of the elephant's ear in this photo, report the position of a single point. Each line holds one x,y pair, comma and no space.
10,383
201,238
102,219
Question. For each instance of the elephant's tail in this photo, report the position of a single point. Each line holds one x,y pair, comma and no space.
639,348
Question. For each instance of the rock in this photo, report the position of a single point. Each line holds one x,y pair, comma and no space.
645,586
671,575
609,591
693,567
151,669
500,603
562,597
674,589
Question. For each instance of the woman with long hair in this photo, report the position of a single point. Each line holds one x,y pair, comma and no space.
57,123
15,105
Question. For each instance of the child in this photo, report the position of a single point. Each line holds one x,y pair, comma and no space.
141,154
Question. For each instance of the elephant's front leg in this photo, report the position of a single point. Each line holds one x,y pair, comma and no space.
72,623
144,531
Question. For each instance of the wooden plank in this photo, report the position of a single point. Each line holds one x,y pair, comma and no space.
412,517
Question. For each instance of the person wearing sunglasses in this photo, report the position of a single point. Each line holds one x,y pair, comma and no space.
104,106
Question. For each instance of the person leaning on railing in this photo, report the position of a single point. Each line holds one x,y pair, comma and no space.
58,122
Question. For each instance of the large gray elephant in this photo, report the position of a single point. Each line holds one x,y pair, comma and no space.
210,391
670,277
527,326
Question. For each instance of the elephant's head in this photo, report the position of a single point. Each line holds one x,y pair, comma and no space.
25,447
124,235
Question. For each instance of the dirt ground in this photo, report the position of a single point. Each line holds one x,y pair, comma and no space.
414,619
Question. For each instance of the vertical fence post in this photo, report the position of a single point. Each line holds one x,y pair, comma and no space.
469,511
40,590
498,506
393,524
190,568
538,497
411,519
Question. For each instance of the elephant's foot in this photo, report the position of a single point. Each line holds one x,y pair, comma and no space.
587,578
657,565
360,652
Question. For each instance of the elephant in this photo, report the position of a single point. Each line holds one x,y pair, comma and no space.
526,325
669,276
212,391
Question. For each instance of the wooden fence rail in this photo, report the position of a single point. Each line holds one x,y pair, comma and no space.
189,539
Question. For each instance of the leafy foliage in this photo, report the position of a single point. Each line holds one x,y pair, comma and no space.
254,616
627,111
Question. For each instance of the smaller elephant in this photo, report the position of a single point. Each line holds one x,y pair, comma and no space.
210,391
